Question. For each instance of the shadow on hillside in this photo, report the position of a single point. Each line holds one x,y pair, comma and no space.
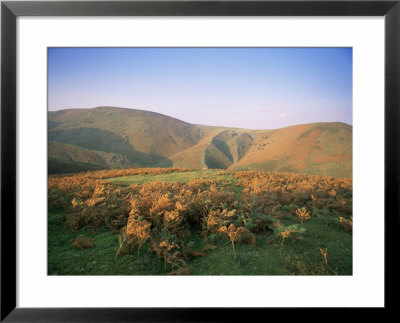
52,124
107,141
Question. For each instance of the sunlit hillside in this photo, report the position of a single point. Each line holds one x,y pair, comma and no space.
112,138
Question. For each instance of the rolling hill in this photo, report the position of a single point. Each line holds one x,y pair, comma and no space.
109,137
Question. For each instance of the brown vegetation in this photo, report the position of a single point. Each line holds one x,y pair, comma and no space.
82,242
162,216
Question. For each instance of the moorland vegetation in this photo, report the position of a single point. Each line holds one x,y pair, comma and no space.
185,217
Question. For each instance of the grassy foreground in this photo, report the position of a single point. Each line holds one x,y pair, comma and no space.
178,177
267,254
301,257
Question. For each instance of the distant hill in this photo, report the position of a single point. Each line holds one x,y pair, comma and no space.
319,148
109,137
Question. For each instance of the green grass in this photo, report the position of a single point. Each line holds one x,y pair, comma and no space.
294,257
65,259
271,166
180,177
268,257
60,166
107,141
222,146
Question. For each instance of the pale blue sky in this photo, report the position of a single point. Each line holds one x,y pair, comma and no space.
255,88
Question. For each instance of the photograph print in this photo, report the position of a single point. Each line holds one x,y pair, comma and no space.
200,161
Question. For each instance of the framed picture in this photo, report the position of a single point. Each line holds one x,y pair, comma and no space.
140,176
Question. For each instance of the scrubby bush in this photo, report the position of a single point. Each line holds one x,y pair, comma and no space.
162,216
82,242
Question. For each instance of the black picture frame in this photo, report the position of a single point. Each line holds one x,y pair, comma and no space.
10,10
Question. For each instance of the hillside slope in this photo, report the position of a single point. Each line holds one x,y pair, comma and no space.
319,148
123,129
142,138
108,137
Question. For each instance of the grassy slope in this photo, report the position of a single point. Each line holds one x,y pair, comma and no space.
151,139
219,148
269,257
144,131
167,177
61,166
320,148
71,153
194,155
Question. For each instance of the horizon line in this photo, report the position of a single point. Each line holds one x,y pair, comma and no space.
198,124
